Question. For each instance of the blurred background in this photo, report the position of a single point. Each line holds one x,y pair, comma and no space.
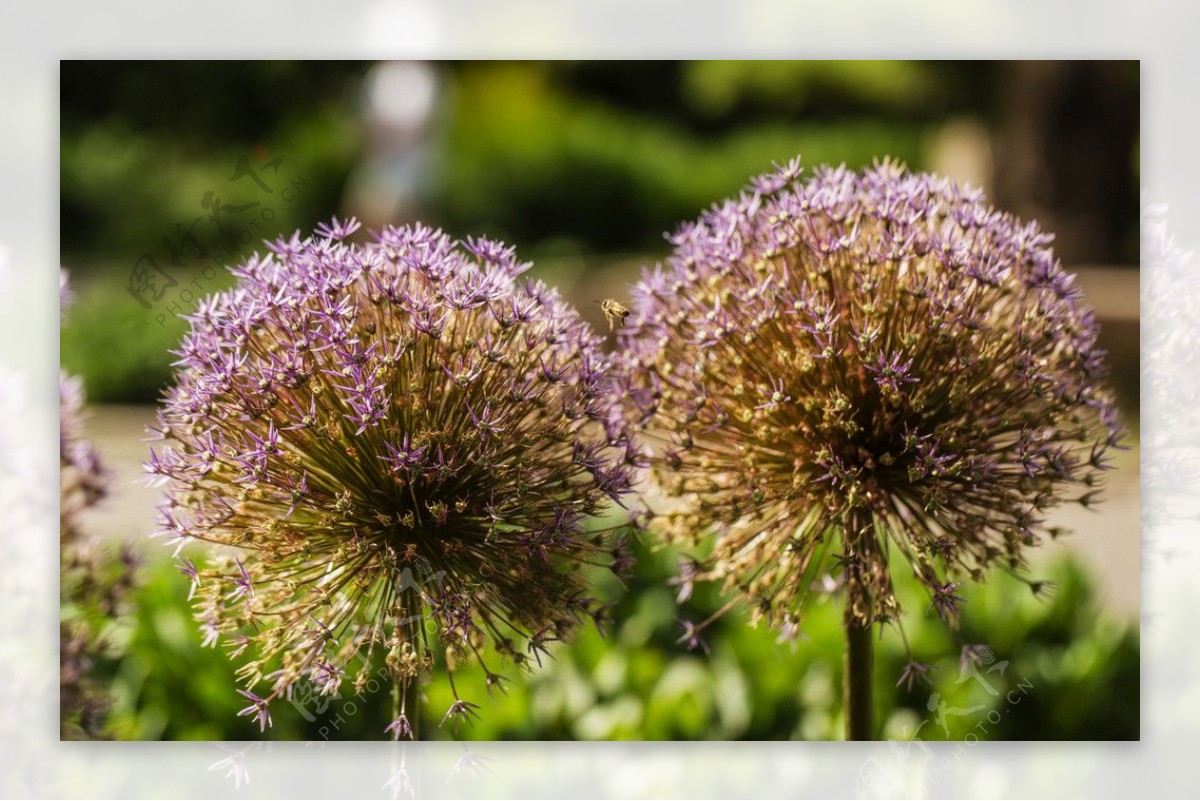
172,170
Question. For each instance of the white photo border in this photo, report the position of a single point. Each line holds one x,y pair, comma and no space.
1159,34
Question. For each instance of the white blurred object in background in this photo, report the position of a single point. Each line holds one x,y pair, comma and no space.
389,186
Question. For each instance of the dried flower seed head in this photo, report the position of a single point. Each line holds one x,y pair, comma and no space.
393,449
857,367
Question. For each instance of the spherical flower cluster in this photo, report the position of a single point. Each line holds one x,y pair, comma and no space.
396,447
861,369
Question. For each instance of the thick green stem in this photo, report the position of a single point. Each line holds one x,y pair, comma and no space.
858,682
405,693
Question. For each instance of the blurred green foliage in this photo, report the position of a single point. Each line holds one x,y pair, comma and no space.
719,88
120,349
561,158
1057,670
535,150
141,146
142,142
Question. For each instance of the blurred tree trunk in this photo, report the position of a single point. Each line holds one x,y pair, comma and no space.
1065,154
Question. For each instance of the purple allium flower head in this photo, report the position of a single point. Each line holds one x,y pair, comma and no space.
861,370
83,477
94,582
391,448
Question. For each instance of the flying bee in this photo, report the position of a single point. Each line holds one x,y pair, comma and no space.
614,312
